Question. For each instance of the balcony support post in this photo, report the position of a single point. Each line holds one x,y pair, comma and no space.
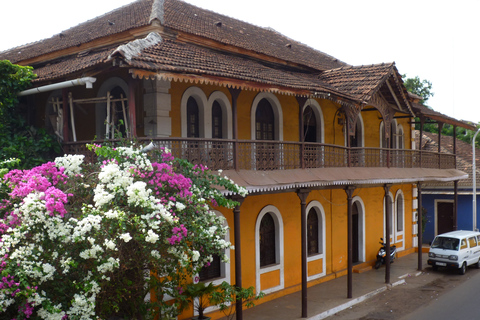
303,194
66,115
235,93
349,191
420,226
238,256
440,127
301,102
388,215
132,112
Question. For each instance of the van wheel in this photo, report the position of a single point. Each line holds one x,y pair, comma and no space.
463,269
477,265
434,268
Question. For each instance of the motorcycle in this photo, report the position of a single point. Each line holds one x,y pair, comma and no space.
382,253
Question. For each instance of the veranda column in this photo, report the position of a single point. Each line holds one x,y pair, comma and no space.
303,194
349,190
132,109
238,255
420,226
235,93
301,102
388,212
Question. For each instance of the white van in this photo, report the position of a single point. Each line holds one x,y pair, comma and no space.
455,249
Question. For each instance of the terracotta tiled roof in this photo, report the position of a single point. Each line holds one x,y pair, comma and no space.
131,16
67,66
464,154
419,109
359,81
181,16
177,57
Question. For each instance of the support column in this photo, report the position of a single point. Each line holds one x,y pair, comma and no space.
66,116
238,256
303,194
132,112
349,190
157,104
301,102
420,226
235,93
388,213
455,205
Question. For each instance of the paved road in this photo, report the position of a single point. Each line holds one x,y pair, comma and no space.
461,302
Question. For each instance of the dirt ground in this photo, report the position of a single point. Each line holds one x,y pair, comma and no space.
403,299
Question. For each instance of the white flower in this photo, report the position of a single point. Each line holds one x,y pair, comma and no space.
195,255
102,197
138,194
125,237
151,237
72,163
110,244
180,206
155,254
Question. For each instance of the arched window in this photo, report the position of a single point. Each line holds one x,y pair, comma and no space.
269,250
267,241
119,112
107,120
192,119
217,121
315,240
400,212
266,117
217,271
309,125
401,137
312,233
264,121
212,271
357,139
390,204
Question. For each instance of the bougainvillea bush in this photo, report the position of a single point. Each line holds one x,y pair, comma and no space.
116,238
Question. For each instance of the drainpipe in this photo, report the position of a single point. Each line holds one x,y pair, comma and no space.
474,173
86,81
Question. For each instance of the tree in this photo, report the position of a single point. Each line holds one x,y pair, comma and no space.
88,241
422,88
32,146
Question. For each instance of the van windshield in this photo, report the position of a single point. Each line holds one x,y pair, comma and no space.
445,243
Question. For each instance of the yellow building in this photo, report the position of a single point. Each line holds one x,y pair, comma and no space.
326,150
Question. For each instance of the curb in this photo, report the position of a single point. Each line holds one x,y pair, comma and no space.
360,299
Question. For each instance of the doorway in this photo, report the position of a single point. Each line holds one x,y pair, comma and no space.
444,216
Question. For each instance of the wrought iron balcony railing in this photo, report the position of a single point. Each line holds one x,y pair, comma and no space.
281,155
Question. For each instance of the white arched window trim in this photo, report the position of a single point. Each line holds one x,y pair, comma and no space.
100,108
277,111
317,110
392,217
400,137
277,217
224,102
361,227
202,102
322,238
399,196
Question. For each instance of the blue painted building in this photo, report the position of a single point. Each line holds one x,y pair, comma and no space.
438,199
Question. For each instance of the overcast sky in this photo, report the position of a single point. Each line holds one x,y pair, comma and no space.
434,40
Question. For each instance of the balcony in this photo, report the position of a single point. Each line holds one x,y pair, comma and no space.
282,155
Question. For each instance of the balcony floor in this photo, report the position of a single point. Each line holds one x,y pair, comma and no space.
256,181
